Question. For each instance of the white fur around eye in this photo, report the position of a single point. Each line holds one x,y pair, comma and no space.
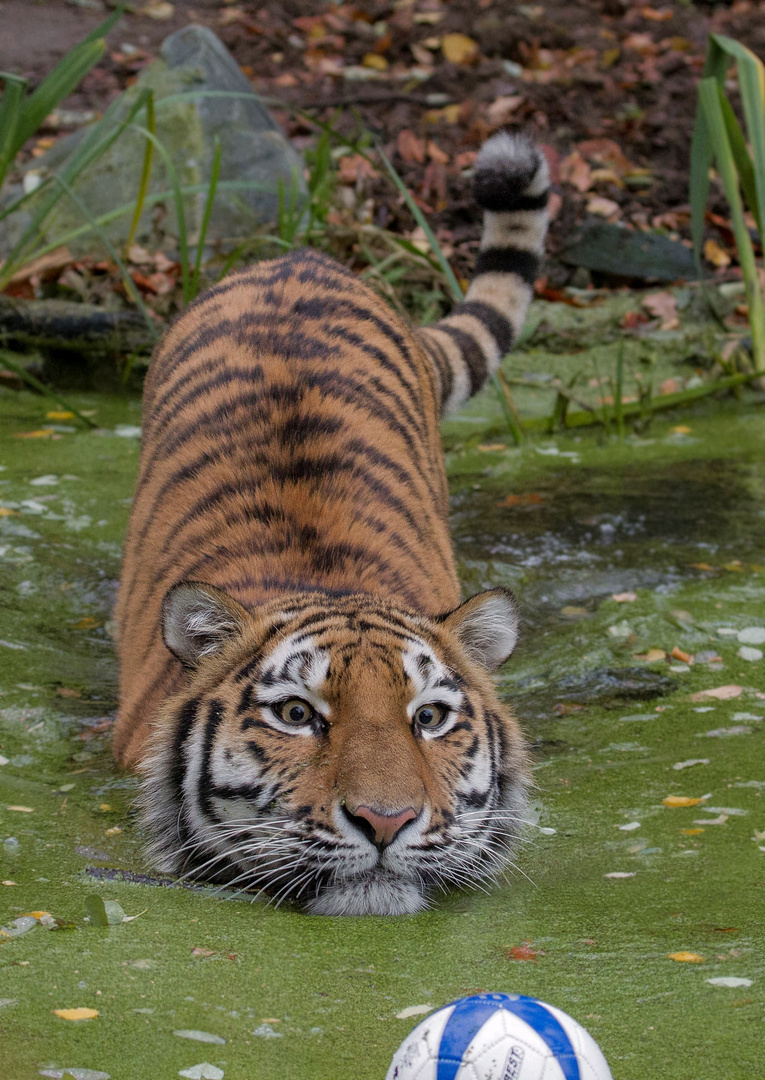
300,669
425,671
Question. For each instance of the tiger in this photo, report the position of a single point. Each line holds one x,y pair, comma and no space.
309,704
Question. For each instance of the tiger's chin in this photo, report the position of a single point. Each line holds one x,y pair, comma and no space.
373,893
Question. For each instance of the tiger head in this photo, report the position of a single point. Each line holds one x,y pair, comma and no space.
336,751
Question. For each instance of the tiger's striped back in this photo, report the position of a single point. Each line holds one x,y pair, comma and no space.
290,444
291,462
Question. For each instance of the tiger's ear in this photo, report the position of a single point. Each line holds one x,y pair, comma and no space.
487,626
198,620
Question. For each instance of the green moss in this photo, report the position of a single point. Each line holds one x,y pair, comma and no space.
609,519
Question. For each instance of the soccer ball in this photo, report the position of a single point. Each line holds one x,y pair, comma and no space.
499,1037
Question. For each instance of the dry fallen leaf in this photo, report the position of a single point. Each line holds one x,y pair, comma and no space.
652,656
22,809
715,254
678,654
680,800
624,597
720,693
68,691
691,832
81,1013
502,109
574,170
354,167
686,957
375,61
531,498
459,49
410,148
603,207
158,10
522,952
435,153
59,414
663,306
450,114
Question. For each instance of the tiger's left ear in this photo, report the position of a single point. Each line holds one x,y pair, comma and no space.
198,620
487,626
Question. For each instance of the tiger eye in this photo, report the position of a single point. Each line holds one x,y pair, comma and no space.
430,716
295,711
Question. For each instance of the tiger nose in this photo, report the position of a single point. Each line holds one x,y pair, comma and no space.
382,829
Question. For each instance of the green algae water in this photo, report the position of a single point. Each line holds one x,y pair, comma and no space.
647,832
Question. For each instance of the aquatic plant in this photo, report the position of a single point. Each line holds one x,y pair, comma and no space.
719,140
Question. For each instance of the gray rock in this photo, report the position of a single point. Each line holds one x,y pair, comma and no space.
254,152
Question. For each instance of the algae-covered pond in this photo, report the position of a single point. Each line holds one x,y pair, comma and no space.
614,879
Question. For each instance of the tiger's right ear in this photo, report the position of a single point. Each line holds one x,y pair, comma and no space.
199,620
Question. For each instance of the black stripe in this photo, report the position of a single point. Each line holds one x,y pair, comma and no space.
472,354
442,365
186,718
508,260
215,717
231,373
314,469
332,384
500,200
500,327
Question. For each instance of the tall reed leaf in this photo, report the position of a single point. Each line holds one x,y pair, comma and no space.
20,119
10,111
739,157
97,141
207,214
143,183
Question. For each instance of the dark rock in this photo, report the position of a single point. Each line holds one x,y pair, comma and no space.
623,253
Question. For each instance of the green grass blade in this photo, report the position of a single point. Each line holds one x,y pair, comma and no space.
422,221
180,211
751,77
64,78
619,392
8,361
94,145
10,110
710,96
130,286
741,159
510,409
127,208
213,187
103,29
143,184
751,80
717,62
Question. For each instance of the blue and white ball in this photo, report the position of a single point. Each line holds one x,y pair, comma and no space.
499,1037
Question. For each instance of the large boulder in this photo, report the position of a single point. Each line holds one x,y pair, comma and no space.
254,153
